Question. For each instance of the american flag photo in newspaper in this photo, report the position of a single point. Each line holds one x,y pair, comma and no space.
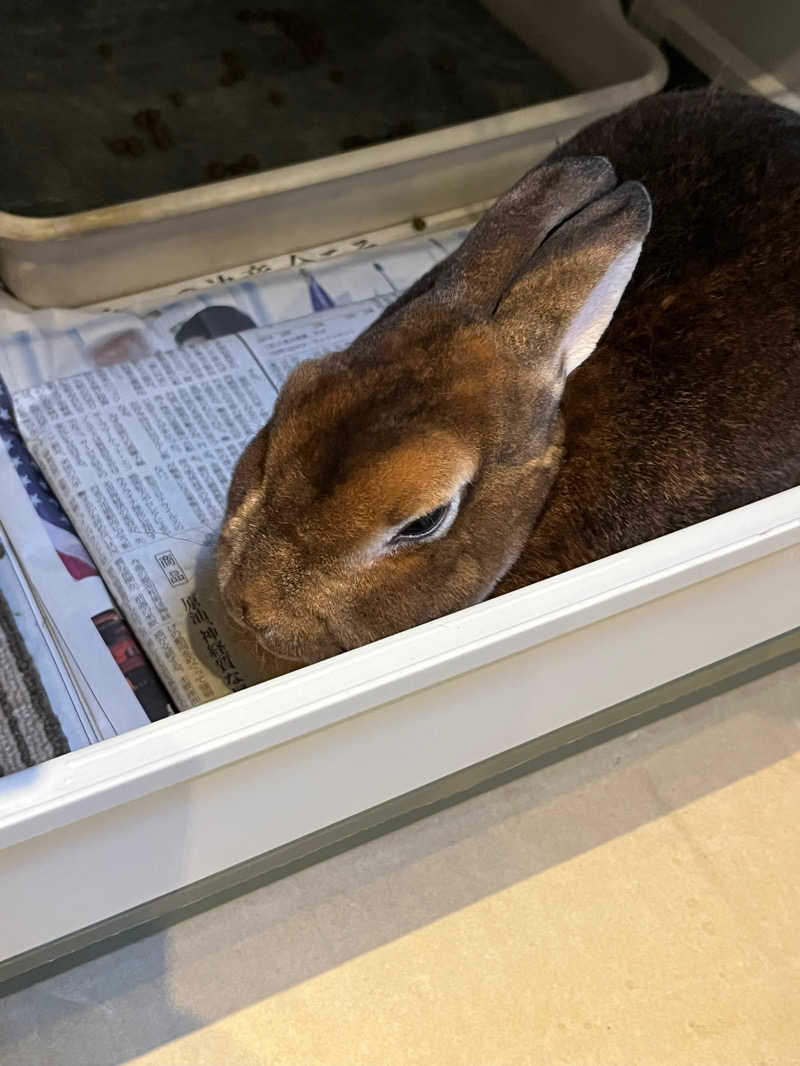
59,529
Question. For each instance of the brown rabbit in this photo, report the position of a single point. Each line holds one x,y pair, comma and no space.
465,445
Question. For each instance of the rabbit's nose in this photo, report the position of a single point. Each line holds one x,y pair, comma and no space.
238,617
235,608
251,617
254,617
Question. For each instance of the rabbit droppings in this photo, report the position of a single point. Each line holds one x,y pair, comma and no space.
466,445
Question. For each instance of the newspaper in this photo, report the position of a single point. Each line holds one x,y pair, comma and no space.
134,423
99,659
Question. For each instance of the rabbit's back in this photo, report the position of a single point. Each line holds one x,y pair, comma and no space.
723,171
690,405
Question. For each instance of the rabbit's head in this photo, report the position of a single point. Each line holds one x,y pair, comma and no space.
400,479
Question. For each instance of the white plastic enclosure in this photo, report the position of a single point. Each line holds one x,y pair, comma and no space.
128,820
96,255
738,44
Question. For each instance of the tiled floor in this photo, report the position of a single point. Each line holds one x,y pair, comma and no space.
636,904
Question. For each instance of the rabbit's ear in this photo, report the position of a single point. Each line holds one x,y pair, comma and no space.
475,276
472,279
564,299
421,287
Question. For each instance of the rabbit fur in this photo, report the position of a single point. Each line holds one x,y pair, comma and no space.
474,397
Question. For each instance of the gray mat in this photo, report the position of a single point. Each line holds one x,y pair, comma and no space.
29,731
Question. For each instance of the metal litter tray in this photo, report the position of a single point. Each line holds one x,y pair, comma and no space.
145,142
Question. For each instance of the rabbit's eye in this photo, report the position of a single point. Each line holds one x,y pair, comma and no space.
425,525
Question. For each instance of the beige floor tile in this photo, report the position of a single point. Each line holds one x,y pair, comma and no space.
635,904
675,943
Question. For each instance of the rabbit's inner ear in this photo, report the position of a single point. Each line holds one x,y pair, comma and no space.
560,305
593,316
474,277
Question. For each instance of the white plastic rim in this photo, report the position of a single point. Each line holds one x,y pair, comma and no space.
136,819
198,741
